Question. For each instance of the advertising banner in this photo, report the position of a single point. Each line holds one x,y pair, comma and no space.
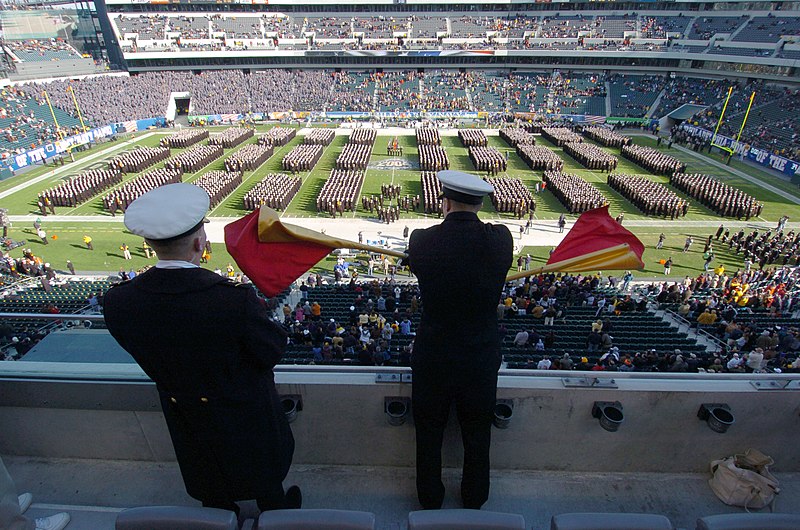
743,150
51,150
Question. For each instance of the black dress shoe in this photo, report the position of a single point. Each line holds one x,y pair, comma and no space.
294,498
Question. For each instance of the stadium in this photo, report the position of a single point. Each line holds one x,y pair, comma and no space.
681,117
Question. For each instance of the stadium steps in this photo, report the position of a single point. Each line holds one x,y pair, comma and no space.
739,30
608,99
656,103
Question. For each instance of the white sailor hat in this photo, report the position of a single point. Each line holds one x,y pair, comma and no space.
168,212
463,187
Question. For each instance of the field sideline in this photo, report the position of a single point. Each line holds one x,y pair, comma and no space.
109,234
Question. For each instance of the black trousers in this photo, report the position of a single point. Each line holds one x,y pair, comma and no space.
435,388
274,500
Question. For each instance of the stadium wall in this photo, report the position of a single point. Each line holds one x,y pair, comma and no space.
109,414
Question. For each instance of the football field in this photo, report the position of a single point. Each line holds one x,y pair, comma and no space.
66,229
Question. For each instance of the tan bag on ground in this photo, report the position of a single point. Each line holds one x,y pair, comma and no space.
744,480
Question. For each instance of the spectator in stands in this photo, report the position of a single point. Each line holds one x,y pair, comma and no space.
203,375
12,508
456,353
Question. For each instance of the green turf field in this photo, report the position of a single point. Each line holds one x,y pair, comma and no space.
108,236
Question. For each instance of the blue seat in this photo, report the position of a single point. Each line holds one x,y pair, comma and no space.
176,518
464,520
316,520
750,521
610,521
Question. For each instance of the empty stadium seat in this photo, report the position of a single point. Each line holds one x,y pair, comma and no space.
464,520
176,518
750,521
609,521
316,520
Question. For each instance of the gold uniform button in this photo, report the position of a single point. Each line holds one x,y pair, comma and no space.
173,400
204,400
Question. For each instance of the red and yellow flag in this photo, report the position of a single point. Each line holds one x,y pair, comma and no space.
595,242
273,254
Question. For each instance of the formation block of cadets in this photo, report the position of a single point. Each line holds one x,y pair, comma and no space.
431,191
139,159
195,158
472,138
276,191
354,156
340,191
219,184
302,158
277,136
428,136
81,188
575,194
231,137
511,196
363,136
248,158
319,137
652,198
538,157
561,135
185,138
120,198
717,196
515,136
488,159
591,156
433,158
653,160
606,136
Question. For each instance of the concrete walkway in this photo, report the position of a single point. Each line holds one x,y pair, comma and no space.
94,491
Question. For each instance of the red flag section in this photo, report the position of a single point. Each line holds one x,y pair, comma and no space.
274,254
594,231
270,266
595,242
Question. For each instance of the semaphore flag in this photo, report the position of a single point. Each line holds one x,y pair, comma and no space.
595,242
273,254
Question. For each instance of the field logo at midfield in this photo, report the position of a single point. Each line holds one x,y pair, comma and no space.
395,164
